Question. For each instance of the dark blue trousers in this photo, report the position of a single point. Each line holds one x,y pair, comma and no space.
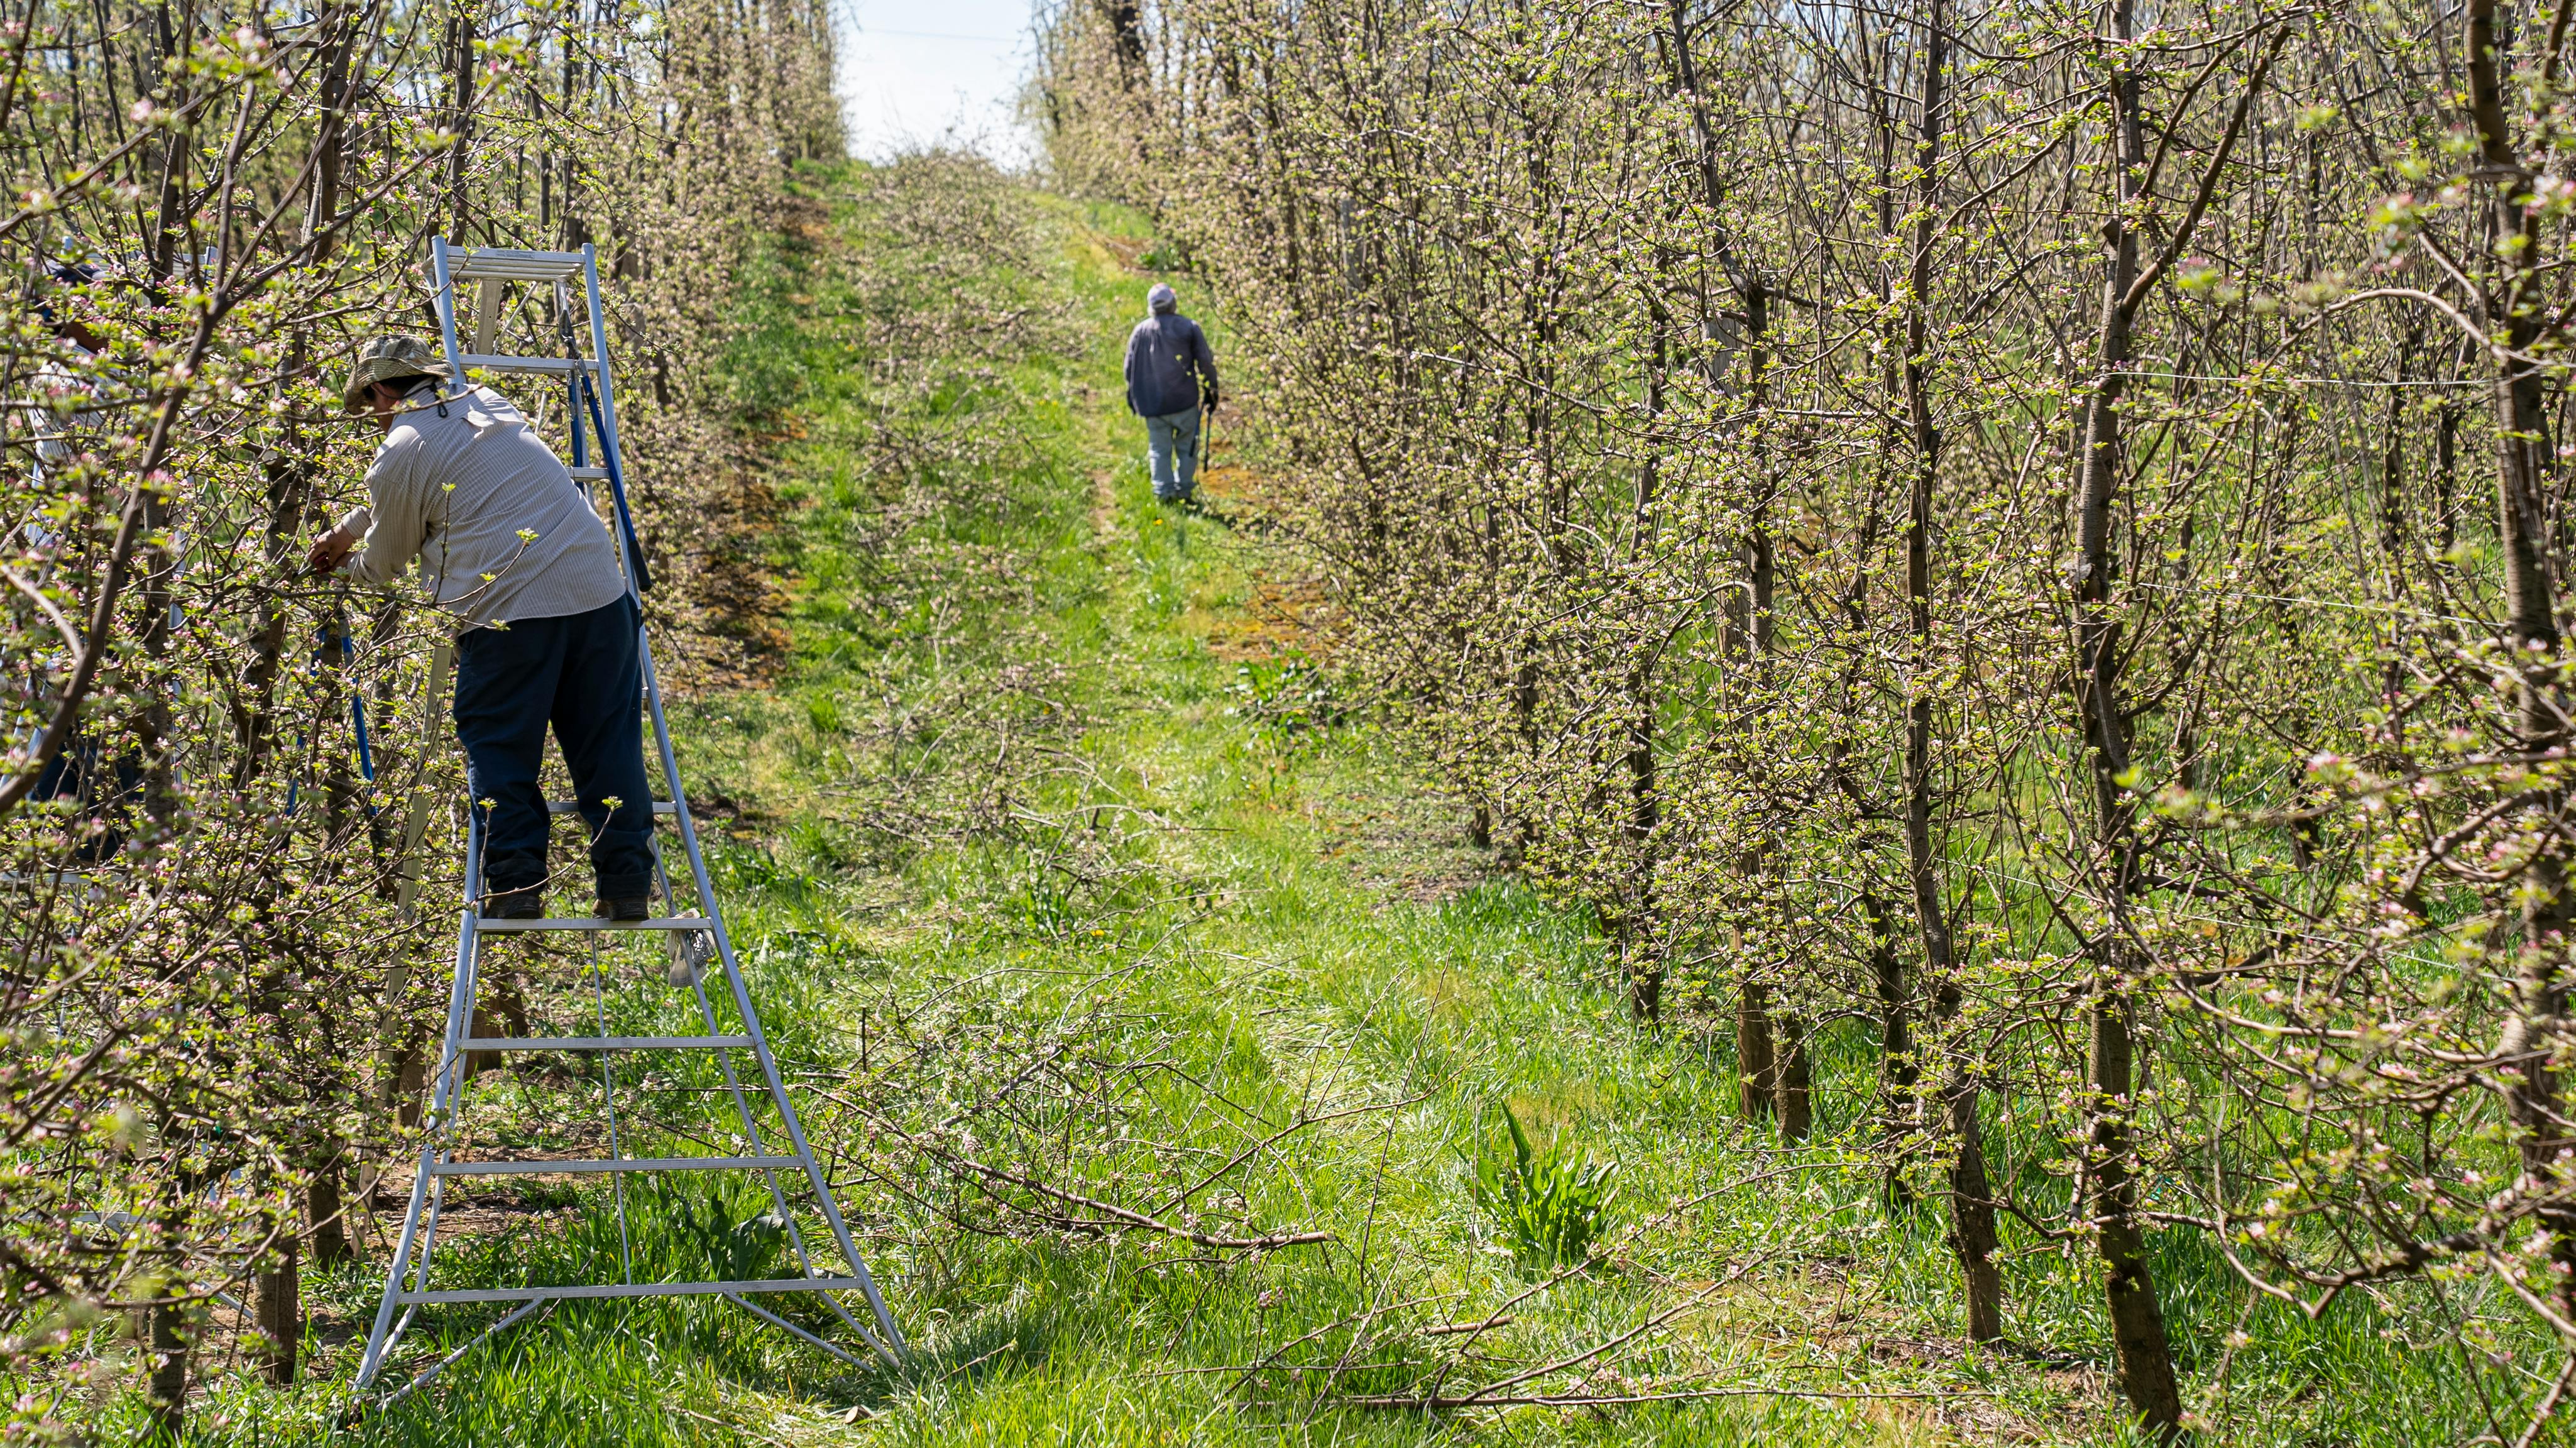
104,790
584,673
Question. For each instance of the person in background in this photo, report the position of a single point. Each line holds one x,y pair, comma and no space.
507,542
1171,383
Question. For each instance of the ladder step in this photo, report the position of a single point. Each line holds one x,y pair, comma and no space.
602,1043
638,1289
501,362
632,1163
474,264
588,475
488,926
573,806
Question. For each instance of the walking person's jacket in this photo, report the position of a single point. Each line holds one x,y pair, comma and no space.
502,530
1168,360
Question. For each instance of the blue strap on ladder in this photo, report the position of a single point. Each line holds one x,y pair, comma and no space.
357,719
616,482
366,758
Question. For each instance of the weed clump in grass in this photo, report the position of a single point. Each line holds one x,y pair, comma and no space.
1549,1204
1285,696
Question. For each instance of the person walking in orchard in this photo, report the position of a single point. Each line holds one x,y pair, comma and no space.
1171,383
550,633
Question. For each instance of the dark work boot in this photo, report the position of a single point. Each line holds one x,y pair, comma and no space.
527,903
624,907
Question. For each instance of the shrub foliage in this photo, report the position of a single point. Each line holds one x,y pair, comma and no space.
211,982
2031,538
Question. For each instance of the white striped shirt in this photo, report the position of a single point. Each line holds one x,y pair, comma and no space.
501,530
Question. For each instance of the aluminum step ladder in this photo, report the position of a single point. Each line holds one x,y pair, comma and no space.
694,938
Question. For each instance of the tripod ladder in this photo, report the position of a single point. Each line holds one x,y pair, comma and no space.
695,938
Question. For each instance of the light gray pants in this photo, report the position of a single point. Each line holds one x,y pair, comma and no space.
1173,442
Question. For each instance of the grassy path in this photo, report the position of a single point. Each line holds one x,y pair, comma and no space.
1043,783
1060,890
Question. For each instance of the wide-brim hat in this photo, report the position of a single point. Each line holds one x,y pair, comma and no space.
390,359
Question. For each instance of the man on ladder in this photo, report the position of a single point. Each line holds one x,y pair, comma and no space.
508,543
549,608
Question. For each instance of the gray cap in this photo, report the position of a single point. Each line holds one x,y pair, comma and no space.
1162,298
389,358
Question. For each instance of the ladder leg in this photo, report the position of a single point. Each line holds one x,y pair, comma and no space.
777,1193
373,1362
442,278
420,1217
420,1261
442,1365
608,1101
447,1097
751,1132
487,313
751,1018
724,1063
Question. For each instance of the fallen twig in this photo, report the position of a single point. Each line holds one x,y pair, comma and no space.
1118,1216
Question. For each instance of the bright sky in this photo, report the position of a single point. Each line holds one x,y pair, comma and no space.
914,72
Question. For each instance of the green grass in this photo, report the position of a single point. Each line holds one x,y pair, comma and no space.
1024,868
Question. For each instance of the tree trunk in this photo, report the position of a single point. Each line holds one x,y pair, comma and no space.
325,1209
2446,475
1127,37
1754,1053
2531,1085
279,1303
169,232
2137,1318
330,139
1754,1057
2144,1360
410,1080
463,22
1972,1216
1790,1082
1898,1072
1972,1208
166,1386
1645,959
